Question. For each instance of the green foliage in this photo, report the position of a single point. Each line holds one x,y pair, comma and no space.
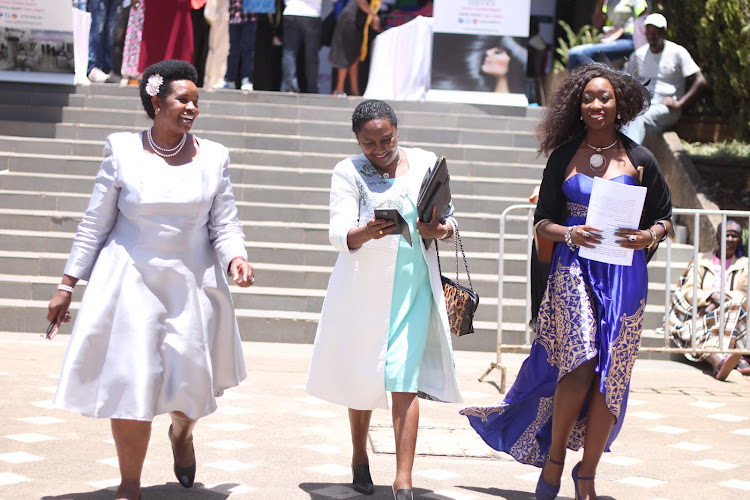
726,150
587,34
722,50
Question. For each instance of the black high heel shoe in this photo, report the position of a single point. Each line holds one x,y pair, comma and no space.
185,475
361,479
402,494
544,490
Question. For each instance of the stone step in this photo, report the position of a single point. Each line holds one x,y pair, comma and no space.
284,326
477,234
219,126
210,100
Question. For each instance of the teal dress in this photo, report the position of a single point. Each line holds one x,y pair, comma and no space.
411,306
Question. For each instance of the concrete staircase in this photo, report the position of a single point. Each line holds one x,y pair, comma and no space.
283,148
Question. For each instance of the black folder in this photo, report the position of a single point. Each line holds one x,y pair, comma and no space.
435,192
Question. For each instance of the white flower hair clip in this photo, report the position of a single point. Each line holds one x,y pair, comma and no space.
154,83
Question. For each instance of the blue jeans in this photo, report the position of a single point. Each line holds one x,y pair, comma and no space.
104,17
655,119
583,54
241,51
299,32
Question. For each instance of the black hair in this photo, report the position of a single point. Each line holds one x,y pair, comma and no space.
372,109
562,123
170,70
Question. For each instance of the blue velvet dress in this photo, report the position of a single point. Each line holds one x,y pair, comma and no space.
589,309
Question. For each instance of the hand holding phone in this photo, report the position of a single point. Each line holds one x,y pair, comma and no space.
401,226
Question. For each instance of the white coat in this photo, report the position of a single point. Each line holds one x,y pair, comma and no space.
348,362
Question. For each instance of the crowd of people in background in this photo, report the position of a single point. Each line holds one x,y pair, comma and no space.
237,44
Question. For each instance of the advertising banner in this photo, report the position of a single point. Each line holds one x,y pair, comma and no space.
482,17
36,41
490,51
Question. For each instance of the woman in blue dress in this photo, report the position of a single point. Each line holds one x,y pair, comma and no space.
572,390
384,326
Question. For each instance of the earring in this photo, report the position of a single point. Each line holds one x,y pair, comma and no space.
619,117
580,117
157,111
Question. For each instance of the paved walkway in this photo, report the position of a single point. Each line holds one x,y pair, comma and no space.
687,436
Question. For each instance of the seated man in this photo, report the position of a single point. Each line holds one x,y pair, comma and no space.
709,300
617,19
667,66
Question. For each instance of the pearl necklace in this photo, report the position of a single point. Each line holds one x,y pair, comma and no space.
597,159
398,160
164,152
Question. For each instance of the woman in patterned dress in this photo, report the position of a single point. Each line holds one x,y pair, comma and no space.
572,390
383,327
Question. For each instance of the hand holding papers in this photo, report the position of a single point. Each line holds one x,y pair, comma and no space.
613,206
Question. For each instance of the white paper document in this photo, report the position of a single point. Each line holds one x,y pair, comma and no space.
613,206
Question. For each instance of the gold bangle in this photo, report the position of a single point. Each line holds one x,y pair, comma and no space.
448,230
653,238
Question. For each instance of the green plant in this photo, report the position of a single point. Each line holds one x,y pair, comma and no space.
721,49
726,150
587,34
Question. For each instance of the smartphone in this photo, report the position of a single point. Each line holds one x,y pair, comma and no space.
52,330
389,214
402,227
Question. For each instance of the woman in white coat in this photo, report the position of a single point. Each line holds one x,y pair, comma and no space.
156,332
384,326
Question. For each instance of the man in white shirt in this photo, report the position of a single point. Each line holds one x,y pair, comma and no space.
667,66
302,28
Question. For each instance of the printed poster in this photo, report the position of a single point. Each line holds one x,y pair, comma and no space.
491,51
482,17
36,41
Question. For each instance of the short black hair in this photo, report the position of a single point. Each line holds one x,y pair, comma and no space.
372,109
170,70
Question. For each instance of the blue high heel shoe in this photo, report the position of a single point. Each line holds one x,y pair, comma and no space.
576,478
544,490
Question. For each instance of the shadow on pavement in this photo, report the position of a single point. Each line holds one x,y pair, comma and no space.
327,491
169,491
505,494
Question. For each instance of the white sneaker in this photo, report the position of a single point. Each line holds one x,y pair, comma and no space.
246,84
222,84
98,76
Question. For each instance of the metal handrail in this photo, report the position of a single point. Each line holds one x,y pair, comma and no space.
696,213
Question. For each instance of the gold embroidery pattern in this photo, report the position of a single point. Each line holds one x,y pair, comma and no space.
575,441
483,412
526,450
577,210
623,352
567,325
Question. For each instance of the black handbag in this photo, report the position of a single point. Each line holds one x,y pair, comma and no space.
460,302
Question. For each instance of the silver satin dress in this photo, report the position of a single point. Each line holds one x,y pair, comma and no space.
156,331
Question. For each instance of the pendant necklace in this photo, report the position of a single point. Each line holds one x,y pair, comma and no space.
164,152
597,159
398,160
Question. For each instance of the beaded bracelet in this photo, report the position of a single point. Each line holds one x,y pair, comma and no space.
569,238
65,288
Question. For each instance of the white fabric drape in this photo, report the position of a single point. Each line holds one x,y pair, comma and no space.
401,62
